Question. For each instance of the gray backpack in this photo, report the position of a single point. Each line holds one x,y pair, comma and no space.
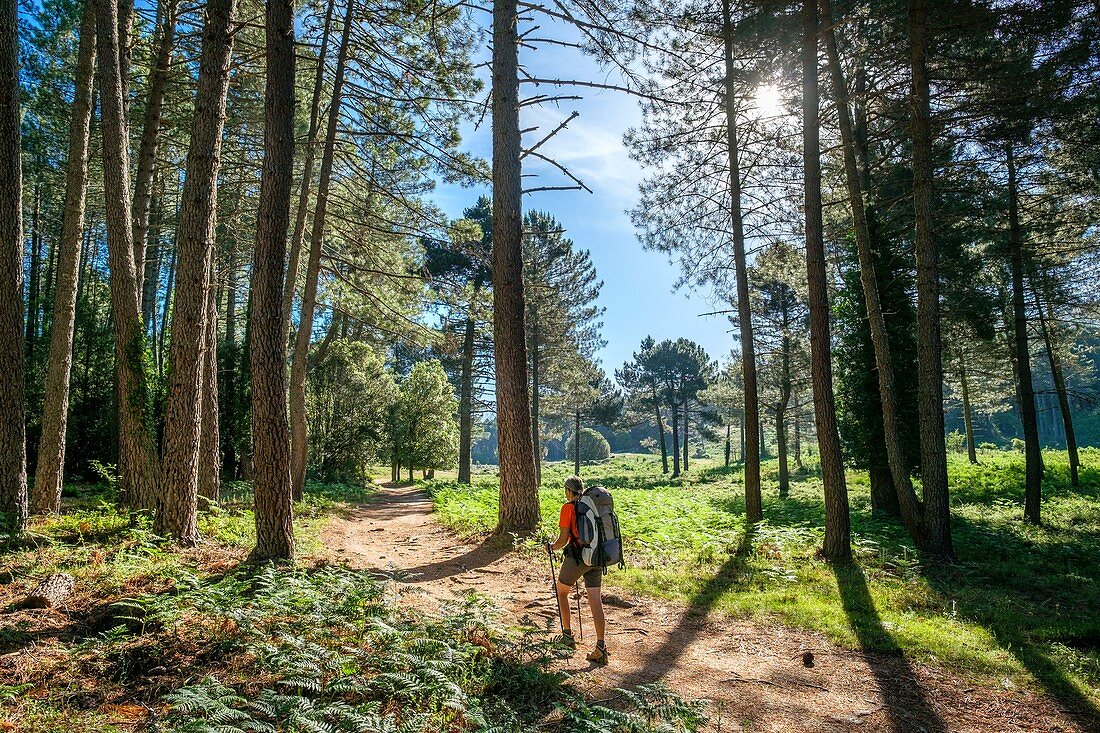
598,527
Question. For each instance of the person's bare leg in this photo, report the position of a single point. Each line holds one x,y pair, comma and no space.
595,603
563,605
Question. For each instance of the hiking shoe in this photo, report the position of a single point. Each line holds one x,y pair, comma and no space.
566,640
599,654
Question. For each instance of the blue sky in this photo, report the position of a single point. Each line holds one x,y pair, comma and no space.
638,285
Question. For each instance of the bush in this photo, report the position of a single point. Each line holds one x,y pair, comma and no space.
956,442
594,447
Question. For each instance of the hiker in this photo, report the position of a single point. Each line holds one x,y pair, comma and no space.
572,569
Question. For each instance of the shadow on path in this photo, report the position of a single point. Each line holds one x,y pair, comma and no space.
486,553
691,624
907,705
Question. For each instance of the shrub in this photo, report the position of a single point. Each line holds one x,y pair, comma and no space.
594,447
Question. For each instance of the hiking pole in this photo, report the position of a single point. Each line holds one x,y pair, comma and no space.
580,624
554,587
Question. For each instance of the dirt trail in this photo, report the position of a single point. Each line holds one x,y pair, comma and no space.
753,670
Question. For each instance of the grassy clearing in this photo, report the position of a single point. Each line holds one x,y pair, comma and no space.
1021,605
199,642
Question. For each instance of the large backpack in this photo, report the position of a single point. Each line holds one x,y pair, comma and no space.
601,542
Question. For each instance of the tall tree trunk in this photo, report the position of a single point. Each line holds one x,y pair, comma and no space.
299,449
968,418
195,239
519,500
912,512
797,434
34,276
210,437
1059,378
729,445
266,334
169,288
675,440
933,463
535,386
661,433
137,470
577,443
754,511
13,458
686,414
299,235
46,497
154,260
466,403
837,542
150,134
781,418
1033,486
227,358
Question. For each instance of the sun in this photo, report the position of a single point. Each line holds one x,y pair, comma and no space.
767,101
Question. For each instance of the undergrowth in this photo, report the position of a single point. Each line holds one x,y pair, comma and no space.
188,642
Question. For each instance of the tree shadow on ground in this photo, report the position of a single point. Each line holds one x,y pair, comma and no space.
690,624
1026,590
484,554
907,706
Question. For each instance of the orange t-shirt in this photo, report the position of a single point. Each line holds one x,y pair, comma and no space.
568,520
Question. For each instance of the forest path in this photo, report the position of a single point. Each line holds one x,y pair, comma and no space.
754,670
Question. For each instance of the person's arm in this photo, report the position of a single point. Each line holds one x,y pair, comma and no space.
562,540
565,521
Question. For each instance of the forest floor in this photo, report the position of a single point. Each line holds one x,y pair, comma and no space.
751,671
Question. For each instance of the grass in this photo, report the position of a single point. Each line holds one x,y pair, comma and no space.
1020,606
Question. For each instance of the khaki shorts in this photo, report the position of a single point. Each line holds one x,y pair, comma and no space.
571,571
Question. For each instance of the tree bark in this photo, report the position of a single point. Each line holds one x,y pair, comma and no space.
577,443
968,418
195,260
466,404
169,287
34,276
535,386
661,432
267,336
154,261
675,441
519,500
837,542
686,414
150,135
13,457
1059,378
912,512
299,363
48,477
298,238
1033,482
210,462
797,435
729,445
51,592
754,511
781,420
933,464
137,470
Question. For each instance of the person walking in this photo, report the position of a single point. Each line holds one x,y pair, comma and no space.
573,569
